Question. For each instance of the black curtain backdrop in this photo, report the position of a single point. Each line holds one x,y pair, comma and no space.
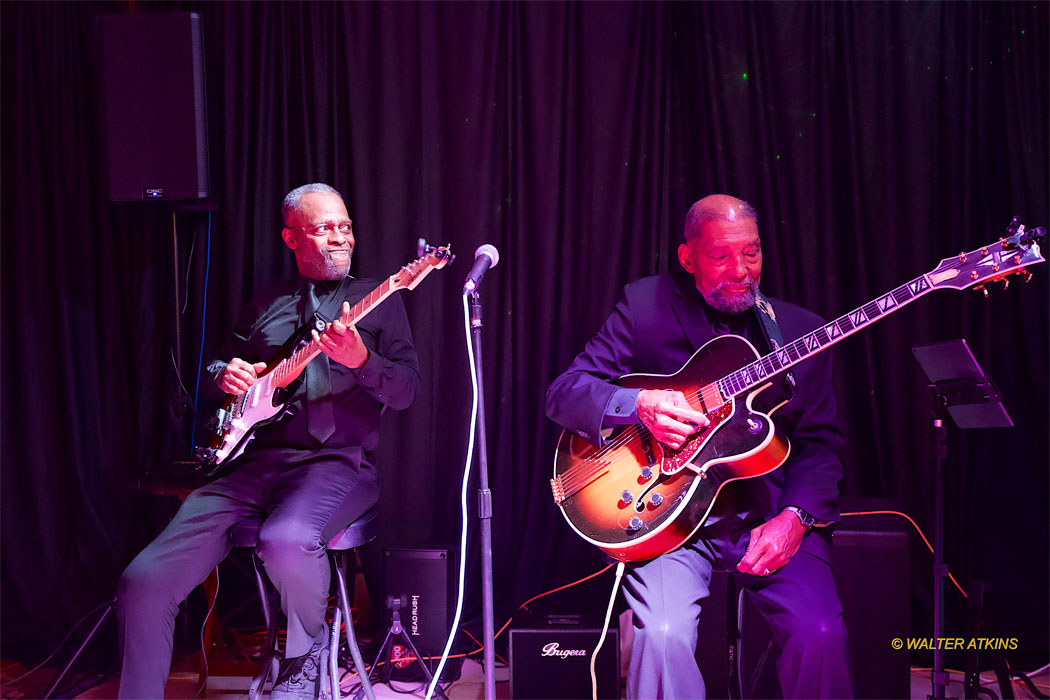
873,138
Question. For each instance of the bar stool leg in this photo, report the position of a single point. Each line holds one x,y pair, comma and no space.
268,671
333,654
351,638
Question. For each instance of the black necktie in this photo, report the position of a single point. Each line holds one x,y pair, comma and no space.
320,421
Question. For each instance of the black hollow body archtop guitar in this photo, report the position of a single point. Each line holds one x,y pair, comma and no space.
636,498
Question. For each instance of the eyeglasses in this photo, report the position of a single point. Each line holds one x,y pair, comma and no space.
327,228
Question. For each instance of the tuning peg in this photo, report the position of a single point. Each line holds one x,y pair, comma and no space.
981,288
1027,275
1006,283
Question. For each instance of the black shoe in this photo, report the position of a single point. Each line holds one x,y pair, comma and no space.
299,678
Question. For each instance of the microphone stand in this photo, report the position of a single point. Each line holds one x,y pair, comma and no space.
484,506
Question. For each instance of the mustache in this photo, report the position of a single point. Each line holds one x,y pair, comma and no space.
748,281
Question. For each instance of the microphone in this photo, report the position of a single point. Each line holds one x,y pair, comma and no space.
485,256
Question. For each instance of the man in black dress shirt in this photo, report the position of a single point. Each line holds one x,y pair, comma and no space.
303,479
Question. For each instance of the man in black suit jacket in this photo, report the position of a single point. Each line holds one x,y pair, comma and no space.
773,528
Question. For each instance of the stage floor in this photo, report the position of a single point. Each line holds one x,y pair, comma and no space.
470,686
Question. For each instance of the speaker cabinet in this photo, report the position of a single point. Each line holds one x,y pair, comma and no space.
152,82
418,584
555,662
871,571
871,574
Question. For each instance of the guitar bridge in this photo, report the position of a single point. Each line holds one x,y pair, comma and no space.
558,490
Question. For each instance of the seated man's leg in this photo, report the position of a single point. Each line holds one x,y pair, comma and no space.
163,574
802,606
664,595
311,503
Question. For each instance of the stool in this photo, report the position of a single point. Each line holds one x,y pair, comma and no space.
361,531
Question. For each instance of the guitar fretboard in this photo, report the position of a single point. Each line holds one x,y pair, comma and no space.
750,376
294,363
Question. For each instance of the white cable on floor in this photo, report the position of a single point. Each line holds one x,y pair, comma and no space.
463,503
605,628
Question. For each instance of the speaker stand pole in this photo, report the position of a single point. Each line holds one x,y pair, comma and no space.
938,676
484,507
178,294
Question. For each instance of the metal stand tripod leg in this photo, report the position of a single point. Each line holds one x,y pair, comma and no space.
396,630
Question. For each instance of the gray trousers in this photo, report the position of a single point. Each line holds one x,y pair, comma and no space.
799,601
299,505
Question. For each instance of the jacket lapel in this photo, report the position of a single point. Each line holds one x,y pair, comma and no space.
690,312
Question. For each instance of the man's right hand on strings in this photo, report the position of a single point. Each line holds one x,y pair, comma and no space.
238,376
668,416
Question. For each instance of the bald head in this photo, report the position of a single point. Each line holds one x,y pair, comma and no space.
716,207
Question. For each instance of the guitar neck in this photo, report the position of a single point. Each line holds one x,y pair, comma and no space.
290,367
790,354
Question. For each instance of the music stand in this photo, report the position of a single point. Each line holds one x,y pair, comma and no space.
961,388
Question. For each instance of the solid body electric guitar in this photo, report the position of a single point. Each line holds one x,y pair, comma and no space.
636,498
266,400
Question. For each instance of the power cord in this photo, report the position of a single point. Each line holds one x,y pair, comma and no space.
463,503
204,652
917,528
605,628
108,604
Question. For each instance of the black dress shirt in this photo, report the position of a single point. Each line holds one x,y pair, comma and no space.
389,378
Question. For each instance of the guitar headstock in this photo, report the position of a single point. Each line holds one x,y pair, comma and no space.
413,273
1010,255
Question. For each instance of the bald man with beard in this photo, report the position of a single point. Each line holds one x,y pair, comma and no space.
773,529
303,479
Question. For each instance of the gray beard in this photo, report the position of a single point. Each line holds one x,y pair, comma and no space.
731,305
329,269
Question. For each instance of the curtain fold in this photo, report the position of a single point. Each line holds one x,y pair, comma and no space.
873,138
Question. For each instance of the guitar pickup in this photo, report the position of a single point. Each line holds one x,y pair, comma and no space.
647,450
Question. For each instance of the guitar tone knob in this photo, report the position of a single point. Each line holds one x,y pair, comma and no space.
635,523
647,473
656,499
626,496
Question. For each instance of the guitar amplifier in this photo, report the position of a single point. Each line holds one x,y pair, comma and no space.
418,584
555,662
870,560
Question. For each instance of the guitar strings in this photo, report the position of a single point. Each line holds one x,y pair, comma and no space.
636,430
574,479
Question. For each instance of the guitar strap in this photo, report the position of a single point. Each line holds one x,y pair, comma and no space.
330,308
771,331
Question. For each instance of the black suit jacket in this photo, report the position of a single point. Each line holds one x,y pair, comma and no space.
656,327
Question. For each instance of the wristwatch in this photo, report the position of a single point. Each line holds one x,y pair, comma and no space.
805,518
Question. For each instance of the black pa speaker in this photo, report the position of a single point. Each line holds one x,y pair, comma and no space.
555,662
152,82
418,585
871,570
870,562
